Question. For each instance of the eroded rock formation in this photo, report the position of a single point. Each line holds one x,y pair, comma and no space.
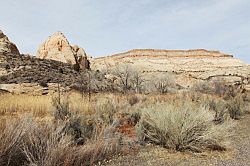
57,47
6,46
81,57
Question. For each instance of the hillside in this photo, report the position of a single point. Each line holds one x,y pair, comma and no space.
188,66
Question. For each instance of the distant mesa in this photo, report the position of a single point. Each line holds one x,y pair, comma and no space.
57,47
6,46
199,53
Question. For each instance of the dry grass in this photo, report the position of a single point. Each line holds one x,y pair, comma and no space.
12,132
77,131
27,142
16,105
47,145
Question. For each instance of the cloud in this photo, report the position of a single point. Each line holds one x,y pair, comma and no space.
105,27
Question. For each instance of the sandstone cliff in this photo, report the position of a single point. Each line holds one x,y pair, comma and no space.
6,46
57,47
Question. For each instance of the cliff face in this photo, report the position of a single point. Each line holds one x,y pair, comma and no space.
6,46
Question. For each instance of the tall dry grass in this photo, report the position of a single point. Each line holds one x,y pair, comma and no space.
16,105
47,145
12,132
28,142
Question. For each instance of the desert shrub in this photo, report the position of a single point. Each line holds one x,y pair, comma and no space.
105,112
12,132
164,83
80,128
99,150
133,100
61,70
181,127
246,96
194,96
161,87
47,145
3,78
220,109
220,87
235,106
135,117
76,67
7,67
203,87
61,106
43,84
76,125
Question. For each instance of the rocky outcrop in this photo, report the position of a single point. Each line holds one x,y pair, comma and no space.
57,47
81,57
6,46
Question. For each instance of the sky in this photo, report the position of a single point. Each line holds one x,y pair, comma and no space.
104,27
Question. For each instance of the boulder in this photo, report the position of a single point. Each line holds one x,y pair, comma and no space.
6,46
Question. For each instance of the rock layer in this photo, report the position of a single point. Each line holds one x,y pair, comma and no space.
6,46
57,47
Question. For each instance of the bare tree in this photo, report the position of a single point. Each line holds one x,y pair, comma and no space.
124,75
163,83
89,84
138,81
84,83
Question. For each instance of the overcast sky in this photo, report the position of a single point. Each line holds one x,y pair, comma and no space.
104,27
